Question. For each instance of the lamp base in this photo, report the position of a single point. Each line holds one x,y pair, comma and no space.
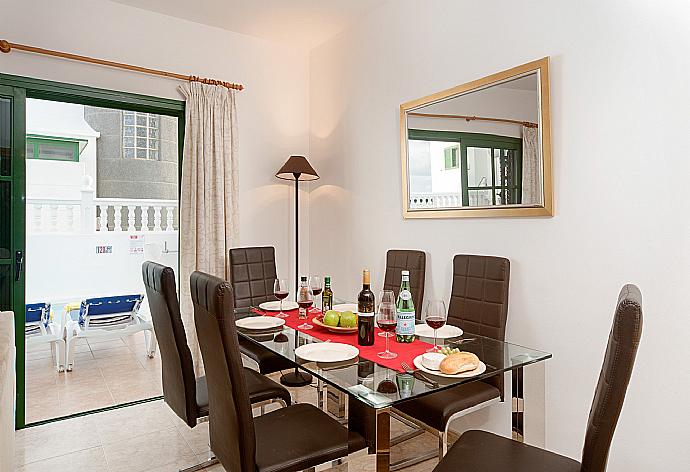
296,379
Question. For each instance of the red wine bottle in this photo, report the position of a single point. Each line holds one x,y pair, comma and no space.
365,312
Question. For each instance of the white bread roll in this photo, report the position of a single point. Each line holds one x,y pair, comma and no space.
459,362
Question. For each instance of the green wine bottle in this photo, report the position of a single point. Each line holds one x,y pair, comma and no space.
327,296
404,331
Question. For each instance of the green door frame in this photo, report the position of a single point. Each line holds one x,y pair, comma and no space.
27,87
17,181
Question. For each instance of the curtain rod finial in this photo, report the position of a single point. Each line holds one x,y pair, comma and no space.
5,46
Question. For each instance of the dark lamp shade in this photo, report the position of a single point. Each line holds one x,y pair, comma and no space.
297,168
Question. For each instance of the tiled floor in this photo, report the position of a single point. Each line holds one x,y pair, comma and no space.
150,438
106,373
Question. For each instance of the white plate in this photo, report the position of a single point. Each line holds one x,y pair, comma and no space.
260,322
445,331
479,370
346,307
275,306
327,352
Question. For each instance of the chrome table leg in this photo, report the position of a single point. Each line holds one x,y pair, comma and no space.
518,404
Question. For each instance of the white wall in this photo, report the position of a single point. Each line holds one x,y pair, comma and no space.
619,99
272,110
76,271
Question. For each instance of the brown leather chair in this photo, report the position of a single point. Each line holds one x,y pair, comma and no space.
478,305
479,451
289,439
398,260
252,275
182,391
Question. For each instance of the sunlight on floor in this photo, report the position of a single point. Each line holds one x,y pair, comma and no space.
106,373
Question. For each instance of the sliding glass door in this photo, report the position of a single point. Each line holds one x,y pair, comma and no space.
82,204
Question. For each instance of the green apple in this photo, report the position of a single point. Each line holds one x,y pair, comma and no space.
348,319
331,318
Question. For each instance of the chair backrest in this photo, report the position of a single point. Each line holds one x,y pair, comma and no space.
38,313
614,377
479,296
125,305
179,381
231,426
252,275
398,260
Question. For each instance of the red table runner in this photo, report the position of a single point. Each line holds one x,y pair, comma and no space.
406,351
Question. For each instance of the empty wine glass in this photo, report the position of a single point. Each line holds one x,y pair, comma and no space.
281,292
305,299
387,296
387,320
316,285
435,316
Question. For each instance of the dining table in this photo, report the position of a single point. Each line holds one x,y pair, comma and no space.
374,386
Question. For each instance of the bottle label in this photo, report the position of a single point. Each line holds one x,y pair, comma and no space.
406,322
405,295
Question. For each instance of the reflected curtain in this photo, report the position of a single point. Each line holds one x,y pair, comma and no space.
209,196
531,167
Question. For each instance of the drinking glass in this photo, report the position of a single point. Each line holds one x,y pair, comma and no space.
435,316
316,285
387,296
305,299
281,292
387,320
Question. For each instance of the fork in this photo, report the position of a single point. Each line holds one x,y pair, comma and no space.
417,374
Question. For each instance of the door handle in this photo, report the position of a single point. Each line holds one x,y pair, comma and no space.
18,265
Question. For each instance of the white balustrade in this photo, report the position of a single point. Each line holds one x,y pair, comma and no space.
169,218
131,218
90,215
144,218
157,218
117,218
435,200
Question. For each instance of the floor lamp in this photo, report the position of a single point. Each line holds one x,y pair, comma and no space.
297,168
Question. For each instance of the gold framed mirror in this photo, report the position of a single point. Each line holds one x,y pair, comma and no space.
481,149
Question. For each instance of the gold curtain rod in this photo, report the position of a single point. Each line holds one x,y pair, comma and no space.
475,118
6,47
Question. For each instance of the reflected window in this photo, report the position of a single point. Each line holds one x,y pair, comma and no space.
52,149
449,169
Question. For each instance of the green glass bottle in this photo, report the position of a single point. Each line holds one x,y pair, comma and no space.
404,331
327,296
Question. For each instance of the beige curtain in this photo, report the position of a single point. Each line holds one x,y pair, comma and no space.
531,167
209,197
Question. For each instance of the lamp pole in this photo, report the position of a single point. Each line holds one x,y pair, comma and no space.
297,175
296,167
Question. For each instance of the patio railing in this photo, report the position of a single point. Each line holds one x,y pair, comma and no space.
89,215
435,200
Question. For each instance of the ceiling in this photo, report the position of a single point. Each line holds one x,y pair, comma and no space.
299,23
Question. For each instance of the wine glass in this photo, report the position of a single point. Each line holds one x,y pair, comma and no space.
316,285
387,320
435,316
387,296
305,299
281,292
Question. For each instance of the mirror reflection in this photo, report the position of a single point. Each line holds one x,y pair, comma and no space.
478,149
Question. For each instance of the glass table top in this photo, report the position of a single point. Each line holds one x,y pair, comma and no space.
379,386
